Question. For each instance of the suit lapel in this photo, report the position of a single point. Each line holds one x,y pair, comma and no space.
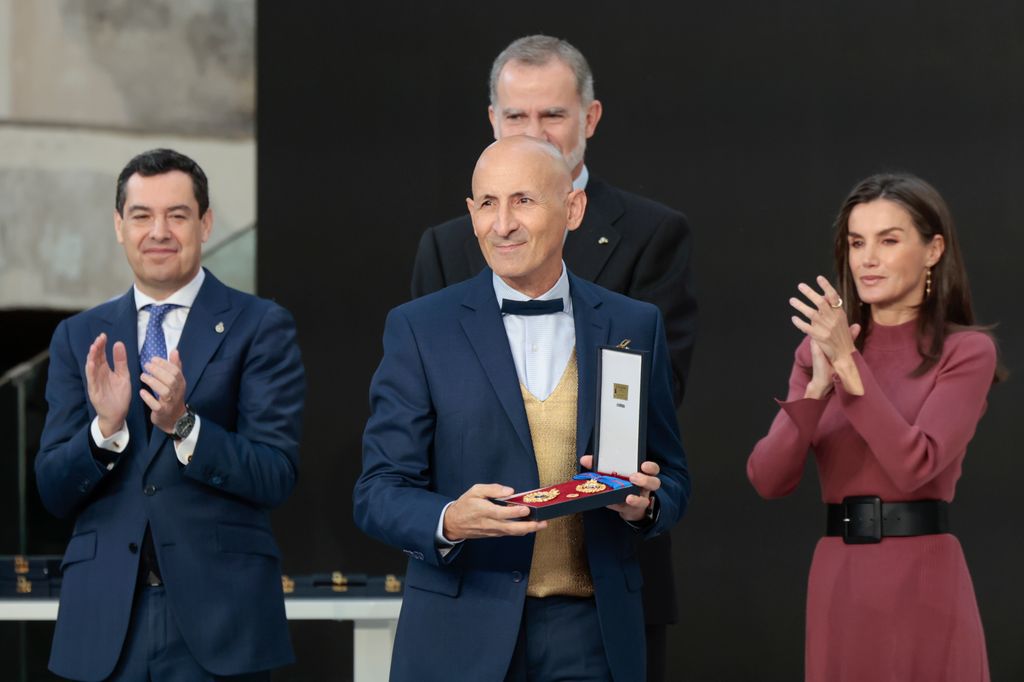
209,322
592,329
589,247
481,320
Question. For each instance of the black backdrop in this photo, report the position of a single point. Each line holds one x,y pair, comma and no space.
753,118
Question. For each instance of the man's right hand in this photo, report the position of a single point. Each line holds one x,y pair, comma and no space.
474,515
110,391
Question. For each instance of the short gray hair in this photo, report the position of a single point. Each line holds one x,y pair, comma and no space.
538,50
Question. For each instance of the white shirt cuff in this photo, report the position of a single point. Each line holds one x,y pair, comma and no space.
116,442
444,545
186,446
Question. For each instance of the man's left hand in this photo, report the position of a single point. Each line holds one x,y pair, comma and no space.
167,381
635,507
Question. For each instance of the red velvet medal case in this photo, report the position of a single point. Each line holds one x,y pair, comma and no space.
620,441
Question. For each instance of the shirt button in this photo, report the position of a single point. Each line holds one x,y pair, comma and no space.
150,489
517,577
133,548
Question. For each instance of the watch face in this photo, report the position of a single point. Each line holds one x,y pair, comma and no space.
183,426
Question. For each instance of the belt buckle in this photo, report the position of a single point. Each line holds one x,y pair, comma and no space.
859,529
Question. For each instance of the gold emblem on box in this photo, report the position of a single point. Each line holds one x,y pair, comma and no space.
620,391
339,583
20,564
541,495
591,486
392,584
287,584
24,585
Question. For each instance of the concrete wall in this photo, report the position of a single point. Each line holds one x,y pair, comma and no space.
84,86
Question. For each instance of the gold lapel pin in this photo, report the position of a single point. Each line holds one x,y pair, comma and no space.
602,241
219,328
624,344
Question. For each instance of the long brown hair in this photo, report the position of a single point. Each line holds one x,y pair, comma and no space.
948,307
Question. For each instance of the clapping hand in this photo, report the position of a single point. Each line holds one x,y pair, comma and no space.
832,338
110,390
167,402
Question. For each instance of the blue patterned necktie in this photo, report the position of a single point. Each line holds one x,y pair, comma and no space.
155,345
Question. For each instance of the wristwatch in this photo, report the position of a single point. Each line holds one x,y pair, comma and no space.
184,425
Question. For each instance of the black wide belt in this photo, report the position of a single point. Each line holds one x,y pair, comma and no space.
864,520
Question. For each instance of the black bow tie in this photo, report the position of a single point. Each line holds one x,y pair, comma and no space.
547,307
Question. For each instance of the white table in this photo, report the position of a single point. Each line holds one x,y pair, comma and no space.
375,620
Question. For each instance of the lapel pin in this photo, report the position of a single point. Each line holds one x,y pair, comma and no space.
602,240
219,328
624,344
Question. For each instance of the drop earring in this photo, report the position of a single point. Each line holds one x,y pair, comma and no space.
928,283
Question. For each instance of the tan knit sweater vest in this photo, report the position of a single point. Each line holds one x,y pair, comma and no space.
559,565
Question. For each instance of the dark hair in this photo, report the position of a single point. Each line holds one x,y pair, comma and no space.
948,307
158,162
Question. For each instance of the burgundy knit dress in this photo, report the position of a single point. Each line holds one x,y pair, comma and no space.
903,609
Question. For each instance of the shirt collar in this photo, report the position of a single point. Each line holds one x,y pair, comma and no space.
183,297
560,290
581,181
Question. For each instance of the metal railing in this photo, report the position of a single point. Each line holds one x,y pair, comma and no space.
19,377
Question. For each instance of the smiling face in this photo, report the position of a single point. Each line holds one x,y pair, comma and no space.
162,232
522,205
889,260
543,102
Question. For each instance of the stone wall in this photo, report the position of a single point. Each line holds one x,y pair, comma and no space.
84,86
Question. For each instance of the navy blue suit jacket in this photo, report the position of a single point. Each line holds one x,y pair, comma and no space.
447,413
209,520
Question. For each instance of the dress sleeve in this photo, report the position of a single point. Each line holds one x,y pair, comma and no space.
777,462
914,453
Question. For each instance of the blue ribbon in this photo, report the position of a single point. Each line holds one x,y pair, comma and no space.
610,481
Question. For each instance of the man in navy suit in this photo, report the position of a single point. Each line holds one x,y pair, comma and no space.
173,428
543,87
478,395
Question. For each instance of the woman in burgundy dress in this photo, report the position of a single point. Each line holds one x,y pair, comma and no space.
887,388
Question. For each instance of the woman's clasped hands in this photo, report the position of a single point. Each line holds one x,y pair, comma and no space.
832,339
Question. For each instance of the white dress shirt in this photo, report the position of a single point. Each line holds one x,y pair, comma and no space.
173,324
541,344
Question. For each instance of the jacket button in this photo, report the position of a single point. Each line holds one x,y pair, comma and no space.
150,489
133,548
517,577
83,486
216,480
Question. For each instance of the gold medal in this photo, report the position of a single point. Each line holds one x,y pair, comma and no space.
591,486
541,495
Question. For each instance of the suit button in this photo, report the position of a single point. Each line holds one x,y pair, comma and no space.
517,577
150,489
216,480
133,548
83,486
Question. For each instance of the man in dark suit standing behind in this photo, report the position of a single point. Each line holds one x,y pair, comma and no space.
542,87
173,427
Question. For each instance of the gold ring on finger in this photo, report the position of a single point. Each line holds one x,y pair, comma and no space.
837,304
